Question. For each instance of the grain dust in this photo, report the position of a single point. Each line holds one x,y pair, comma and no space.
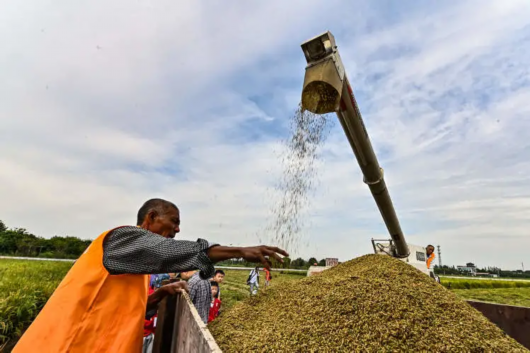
298,180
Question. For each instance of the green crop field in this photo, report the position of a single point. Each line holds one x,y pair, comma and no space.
26,285
494,291
458,283
234,287
510,296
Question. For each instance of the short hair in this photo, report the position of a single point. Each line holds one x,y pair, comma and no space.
214,284
219,271
159,205
430,246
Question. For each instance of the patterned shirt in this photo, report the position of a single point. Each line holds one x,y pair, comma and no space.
155,281
134,250
201,295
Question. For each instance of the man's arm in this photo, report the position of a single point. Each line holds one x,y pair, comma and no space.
134,250
256,254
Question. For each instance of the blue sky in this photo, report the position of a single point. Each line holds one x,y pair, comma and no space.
106,104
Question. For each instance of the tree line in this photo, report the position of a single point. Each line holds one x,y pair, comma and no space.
20,242
297,263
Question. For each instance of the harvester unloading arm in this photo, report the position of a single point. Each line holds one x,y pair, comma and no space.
326,90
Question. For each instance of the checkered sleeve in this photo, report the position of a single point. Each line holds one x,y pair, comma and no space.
133,250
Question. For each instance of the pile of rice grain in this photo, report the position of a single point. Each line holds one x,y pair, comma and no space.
373,303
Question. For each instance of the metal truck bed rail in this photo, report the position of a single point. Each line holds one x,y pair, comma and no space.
180,329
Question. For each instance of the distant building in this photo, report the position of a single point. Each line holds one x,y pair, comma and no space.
468,268
332,261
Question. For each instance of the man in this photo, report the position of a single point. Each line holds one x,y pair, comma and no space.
267,277
101,303
430,258
200,295
253,280
219,278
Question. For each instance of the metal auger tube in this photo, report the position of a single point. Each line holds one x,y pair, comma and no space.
327,89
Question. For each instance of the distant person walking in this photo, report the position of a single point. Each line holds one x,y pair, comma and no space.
253,281
268,277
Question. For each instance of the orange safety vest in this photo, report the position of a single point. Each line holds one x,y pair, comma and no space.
90,311
429,260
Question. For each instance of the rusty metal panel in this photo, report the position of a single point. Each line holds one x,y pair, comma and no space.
514,320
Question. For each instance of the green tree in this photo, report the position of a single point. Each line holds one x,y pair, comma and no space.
8,242
20,242
298,263
322,262
312,261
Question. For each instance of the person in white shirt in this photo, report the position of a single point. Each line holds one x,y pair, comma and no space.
253,281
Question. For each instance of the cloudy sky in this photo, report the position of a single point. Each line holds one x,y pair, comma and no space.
106,104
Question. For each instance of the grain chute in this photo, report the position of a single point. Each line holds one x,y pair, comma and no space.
327,89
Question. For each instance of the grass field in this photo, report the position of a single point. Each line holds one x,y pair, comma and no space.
234,287
510,296
26,285
457,283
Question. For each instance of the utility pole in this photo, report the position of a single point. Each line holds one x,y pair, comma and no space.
439,257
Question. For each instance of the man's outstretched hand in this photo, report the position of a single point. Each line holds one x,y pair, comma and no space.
262,254
258,254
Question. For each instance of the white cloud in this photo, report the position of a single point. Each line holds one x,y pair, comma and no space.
104,105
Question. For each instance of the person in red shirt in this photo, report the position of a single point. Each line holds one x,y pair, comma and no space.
216,302
267,277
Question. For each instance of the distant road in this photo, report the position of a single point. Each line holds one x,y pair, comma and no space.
34,258
487,278
72,260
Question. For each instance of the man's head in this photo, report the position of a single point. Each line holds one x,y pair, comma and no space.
160,217
430,250
187,275
219,276
215,288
